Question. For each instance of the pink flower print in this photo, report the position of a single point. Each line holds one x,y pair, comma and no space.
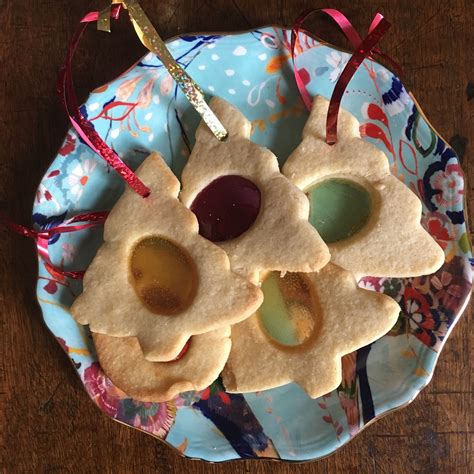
349,405
145,95
451,184
371,283
101,390
68,252
423,319
127,88
156,418
166,85
448,293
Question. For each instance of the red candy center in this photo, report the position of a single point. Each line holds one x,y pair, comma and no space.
226,208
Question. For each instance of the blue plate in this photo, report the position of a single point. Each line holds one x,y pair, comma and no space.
141,111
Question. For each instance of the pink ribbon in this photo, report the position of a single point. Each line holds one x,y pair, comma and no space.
363,49
82,126
42,237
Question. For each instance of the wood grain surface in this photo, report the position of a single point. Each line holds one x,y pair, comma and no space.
48,423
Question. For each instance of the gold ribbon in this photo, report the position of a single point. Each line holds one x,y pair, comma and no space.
103,22
153,42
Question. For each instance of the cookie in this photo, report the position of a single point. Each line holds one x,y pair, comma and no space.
306,323
155,277
244,204
369,219
122,360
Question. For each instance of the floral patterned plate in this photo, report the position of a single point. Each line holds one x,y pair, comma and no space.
142,110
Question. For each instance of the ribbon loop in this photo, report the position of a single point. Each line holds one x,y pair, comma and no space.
362,49
42,237
151,39
82,126
351,67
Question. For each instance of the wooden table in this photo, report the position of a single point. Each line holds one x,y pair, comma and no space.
48,422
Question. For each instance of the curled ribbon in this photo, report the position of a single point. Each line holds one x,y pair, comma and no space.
362,49
151,39
82,126
42,237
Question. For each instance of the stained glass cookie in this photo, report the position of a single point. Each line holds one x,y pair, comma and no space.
244,204
306,323
155,277
369,219
122,360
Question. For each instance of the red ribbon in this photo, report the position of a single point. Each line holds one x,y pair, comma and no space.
86,131
82,126
363,49
42,237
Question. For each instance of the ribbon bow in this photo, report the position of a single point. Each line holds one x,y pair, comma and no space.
362,49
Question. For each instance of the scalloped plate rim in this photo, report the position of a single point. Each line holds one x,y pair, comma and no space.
378,416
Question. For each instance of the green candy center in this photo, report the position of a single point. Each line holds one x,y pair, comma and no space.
289,309
339,208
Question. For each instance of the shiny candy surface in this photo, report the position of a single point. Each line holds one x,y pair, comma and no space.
339,208
290,313
227,207
164,276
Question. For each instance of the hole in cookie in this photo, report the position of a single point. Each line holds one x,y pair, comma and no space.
339,208
227,207
289,311
164,275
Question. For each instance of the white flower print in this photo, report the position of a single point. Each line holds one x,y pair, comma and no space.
338,62
79,176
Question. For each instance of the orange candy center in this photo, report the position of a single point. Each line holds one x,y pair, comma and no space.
163,275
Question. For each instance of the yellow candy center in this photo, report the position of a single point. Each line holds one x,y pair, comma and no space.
163,275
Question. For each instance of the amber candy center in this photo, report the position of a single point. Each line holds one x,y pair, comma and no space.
163,275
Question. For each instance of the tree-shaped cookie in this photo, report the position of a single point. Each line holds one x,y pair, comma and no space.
122,360
155,277
369,219
306,323
244,204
